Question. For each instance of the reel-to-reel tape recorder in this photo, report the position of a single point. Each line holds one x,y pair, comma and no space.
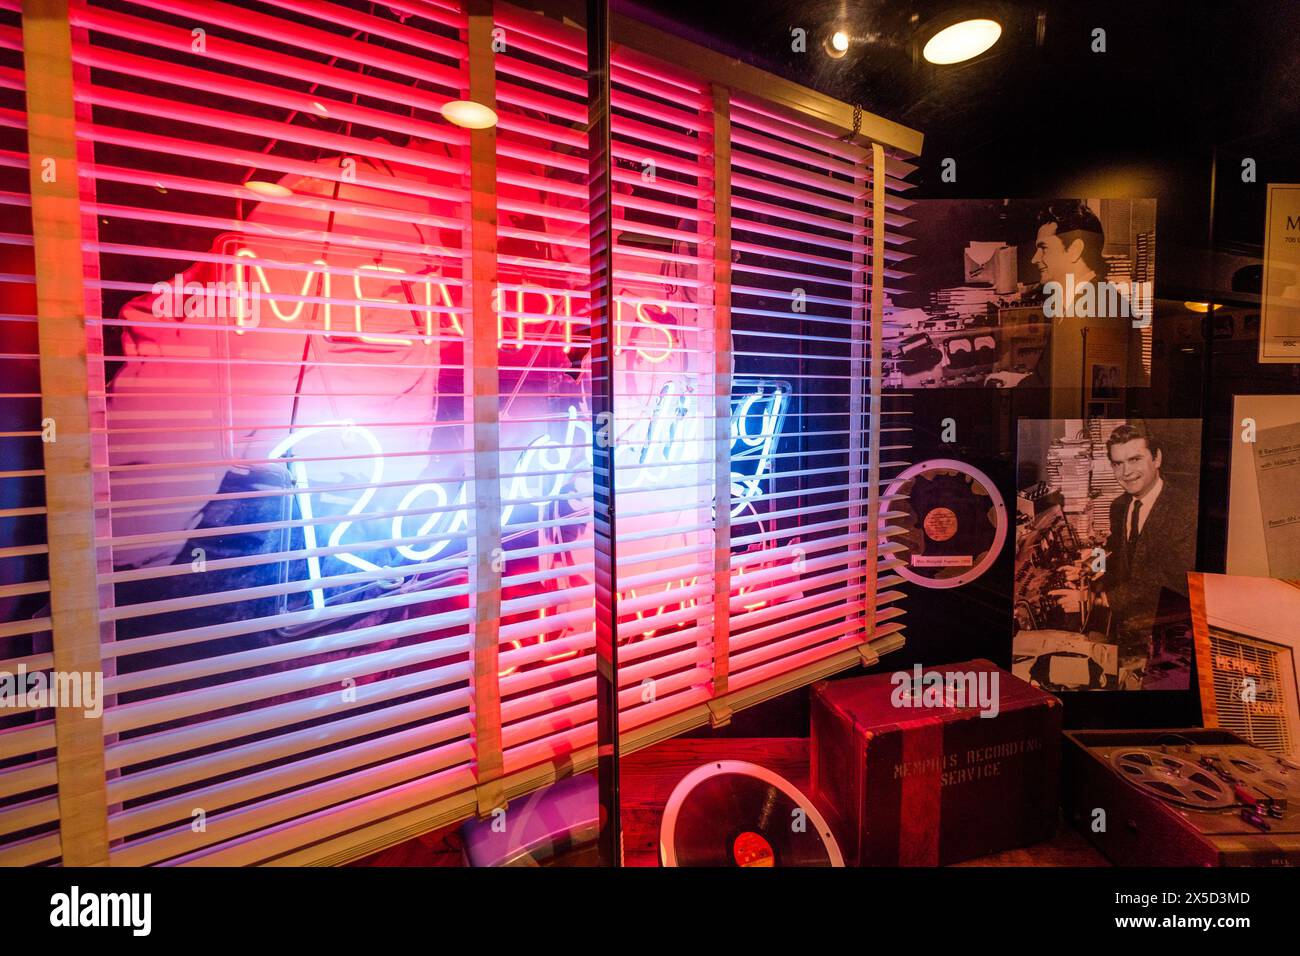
1183,798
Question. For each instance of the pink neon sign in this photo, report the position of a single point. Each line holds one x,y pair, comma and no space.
342,316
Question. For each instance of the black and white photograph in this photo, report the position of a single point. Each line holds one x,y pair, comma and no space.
991,276
1106,381
1105,536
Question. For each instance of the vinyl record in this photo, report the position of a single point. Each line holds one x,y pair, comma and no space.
953,519
733,813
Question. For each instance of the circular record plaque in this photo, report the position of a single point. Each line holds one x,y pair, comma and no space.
955,521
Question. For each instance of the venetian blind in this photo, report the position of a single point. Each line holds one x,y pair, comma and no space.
343,442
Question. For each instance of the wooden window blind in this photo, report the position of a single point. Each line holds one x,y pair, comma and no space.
339,420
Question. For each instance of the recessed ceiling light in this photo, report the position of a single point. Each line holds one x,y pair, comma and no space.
268,189
469,114
836,43
962,41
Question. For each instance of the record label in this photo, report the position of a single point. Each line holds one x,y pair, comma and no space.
940,524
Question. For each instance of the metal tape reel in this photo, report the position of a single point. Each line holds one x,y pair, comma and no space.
1173,779
1267,775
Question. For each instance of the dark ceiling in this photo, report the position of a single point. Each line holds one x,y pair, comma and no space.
1178,78
1236,63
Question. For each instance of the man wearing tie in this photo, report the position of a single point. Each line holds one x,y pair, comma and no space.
1152,540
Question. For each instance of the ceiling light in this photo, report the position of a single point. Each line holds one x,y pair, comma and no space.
268,189
1200,306
469,114
962,41
836,43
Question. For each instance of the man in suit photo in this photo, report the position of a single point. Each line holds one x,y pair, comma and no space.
1152,542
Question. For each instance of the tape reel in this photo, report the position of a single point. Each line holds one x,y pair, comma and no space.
1265,774
1173,779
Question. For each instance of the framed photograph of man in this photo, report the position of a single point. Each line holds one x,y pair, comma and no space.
993,281
1105,536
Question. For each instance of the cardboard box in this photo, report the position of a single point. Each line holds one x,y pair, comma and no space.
908,776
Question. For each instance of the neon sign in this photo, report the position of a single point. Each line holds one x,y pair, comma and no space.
380,486
659,446
426,297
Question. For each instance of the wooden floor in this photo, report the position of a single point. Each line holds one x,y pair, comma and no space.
650,775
